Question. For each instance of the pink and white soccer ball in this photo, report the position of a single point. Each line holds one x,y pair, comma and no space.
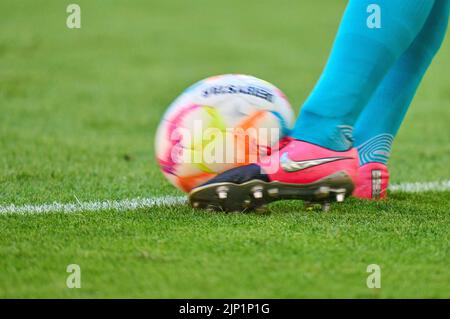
219,123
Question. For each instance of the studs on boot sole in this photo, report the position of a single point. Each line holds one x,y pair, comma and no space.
323,192
222,192
257,192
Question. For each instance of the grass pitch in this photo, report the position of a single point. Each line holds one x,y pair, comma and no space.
79,110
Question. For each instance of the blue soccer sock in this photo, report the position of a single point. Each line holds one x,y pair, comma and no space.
380,120
361,57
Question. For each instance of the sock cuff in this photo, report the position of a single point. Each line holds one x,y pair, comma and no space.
334,134
375,149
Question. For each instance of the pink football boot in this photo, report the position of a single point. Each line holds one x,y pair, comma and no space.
372,181
298,170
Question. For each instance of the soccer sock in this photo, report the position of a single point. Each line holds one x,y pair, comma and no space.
380,120
370,39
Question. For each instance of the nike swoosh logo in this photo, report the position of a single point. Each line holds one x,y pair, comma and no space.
291,166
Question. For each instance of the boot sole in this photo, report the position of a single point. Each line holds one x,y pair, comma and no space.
256,194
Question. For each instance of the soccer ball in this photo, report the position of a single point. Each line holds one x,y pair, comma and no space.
219,123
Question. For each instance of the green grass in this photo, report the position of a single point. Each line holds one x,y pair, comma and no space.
78,115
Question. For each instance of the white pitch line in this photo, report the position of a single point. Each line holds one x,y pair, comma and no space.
118,205
138,203
421,187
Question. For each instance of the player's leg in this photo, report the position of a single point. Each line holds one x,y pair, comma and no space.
361,56
381,118
318,163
